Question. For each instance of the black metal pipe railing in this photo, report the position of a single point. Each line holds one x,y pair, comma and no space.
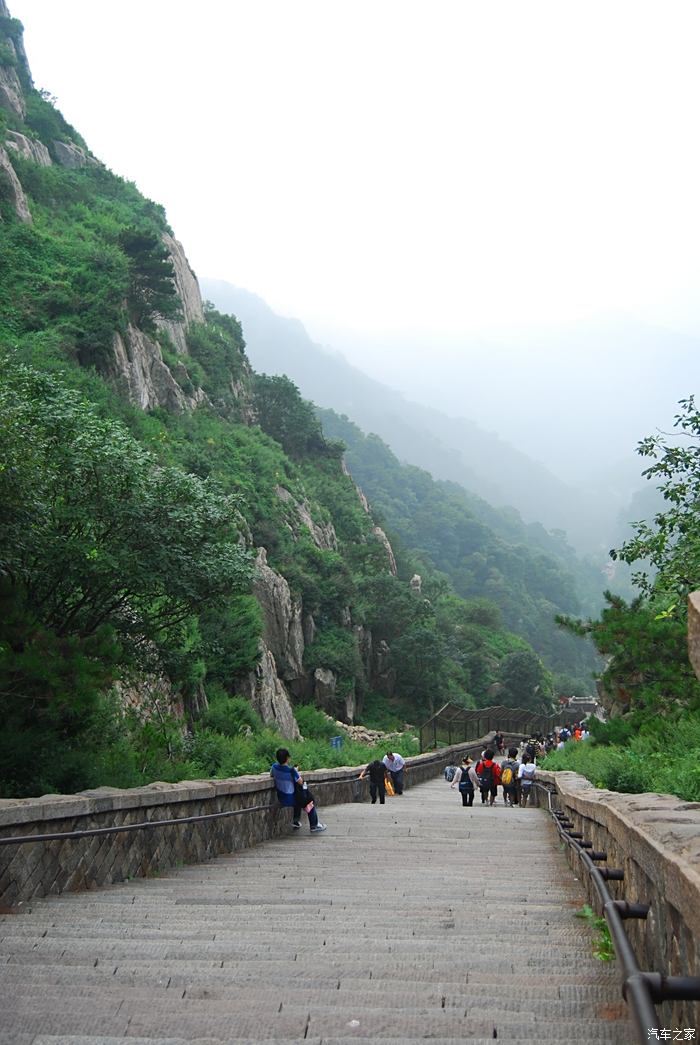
641,990
59,836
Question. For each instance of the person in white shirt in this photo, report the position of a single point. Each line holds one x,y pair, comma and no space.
394,764
466,780
526,776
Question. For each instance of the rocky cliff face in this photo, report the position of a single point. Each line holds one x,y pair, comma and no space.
323,535
138,369
188,292
13,189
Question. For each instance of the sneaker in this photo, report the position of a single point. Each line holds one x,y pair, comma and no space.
295,825
317,829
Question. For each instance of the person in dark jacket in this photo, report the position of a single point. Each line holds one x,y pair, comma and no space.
377,776
489,773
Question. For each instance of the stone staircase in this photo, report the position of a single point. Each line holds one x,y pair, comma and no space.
418,919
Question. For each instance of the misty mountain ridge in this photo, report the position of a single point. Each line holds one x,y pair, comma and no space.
449,447
573,395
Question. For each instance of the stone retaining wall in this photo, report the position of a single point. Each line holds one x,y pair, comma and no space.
36,869
655,839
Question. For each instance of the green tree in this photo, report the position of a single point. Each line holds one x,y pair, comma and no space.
94,531
284,415
645,640
152,292
668,547
525,682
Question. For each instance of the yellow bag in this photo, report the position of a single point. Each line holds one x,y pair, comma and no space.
389,786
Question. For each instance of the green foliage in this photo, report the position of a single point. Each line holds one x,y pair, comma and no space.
603,948
443,528
218,349
669,546
314,725
525,682
230,637
47,123
105,558
285,416
151,278
320,577
379,712
230,716
334,648
651,753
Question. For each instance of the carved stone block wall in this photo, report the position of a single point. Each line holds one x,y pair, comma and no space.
655,840
41,868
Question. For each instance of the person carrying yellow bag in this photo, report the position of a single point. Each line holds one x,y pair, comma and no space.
394,764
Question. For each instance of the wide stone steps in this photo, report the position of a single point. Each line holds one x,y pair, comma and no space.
417,920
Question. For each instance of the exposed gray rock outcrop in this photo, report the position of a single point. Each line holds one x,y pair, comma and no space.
364,646
188,292
70,155
376,530
325,684
322,534
13,189
383,673
11,96
18,48
327,697
28,148
268,695
309,629
137,366
282,625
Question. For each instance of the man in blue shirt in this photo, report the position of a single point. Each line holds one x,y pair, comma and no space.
293,793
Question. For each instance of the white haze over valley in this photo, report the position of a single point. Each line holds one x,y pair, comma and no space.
492,208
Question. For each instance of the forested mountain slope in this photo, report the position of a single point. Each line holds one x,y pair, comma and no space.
436,522
451,448
180,543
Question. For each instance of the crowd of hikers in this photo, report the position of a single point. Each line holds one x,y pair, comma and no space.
515,774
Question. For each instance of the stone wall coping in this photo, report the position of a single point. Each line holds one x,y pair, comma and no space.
23,811
661,833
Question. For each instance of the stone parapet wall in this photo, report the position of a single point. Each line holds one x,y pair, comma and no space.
655,840
39,868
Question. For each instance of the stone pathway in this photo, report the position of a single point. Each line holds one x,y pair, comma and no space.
417,919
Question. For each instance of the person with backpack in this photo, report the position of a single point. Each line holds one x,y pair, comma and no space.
292,793
489,774
466,780
526,776
509,777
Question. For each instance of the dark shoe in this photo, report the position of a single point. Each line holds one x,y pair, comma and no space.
318,828
295,825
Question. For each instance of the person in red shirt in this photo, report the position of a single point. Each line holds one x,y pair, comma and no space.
489,774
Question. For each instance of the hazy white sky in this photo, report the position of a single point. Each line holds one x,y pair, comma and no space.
393,164
432,168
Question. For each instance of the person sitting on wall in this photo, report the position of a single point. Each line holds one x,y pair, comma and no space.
292,793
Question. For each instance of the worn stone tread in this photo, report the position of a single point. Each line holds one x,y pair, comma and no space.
325,940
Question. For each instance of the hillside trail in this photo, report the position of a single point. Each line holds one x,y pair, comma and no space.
419,919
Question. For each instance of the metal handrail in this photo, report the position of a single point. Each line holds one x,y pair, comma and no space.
57,836
641,990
